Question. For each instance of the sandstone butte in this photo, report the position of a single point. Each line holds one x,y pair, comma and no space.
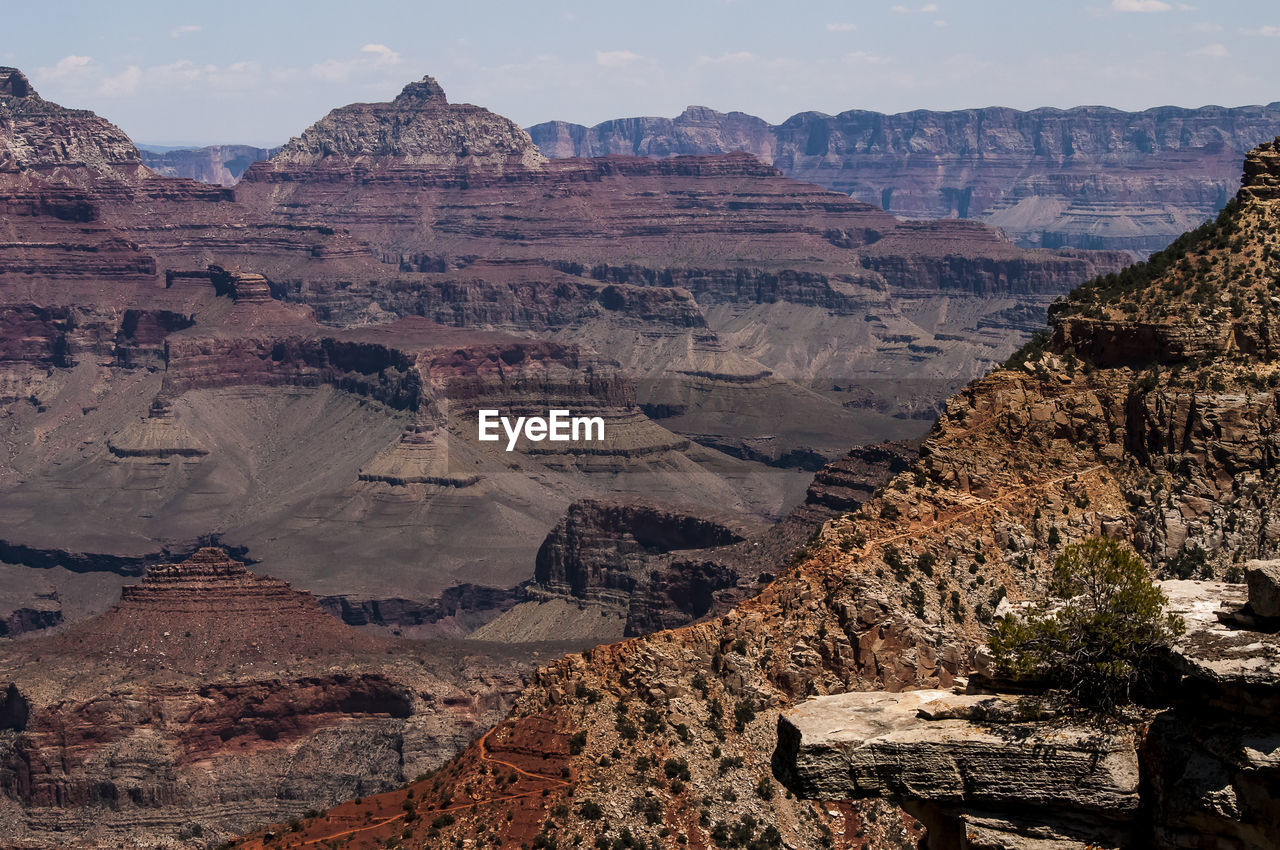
177,357
1149,414
210,695
1091,177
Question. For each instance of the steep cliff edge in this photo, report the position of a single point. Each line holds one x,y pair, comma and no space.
1167,446
1088,177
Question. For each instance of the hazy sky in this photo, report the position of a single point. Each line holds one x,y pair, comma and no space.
259,72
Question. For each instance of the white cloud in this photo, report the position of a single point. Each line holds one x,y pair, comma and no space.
382,54
862,57
372,57
1268,31
929,8
124,83
726,58
1139,6
926,9
185,29
841,27
615,58
1213,51
67,66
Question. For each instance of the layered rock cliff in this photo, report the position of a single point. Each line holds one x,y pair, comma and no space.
1089,177
211,696
146,339
1169,447
419,127
706,260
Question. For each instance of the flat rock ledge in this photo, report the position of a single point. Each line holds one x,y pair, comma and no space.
1032,784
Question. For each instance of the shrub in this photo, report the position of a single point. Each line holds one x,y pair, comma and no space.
1104,641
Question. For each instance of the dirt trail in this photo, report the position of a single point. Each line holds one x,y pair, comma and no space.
484,756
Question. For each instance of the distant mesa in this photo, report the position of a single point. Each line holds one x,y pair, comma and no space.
420,126
221,608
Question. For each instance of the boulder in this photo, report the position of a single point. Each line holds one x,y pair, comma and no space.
1263,578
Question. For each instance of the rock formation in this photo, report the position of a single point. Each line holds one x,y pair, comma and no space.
968,767
1089,177
1096,430
988,771
934,299
418,127
211,696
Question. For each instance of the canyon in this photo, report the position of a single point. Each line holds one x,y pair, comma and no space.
201,382
1088,177
184,351
1147,415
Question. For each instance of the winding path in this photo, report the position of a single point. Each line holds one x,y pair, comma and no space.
484,756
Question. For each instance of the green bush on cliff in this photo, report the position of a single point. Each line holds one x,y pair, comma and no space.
1101,644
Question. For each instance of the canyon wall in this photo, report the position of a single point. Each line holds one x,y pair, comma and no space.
1089,177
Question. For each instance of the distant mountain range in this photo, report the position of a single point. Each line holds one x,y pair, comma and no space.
1089,177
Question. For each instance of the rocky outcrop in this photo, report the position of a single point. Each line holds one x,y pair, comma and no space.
969,780
989,771
211,695
1089,177
844,484
38,136
1263,578
222,164
419,127
457,612
1262,172
638,558
46,612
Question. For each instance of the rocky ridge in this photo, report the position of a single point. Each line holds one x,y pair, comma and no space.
1169,450
418,127
1088,177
